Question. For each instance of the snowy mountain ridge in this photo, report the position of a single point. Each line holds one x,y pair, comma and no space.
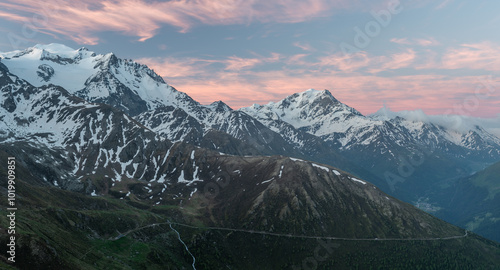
320,114
122,83
316,112
409,153
86,139
136,89
141,93
311,125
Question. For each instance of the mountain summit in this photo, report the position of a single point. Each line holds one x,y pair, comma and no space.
100,78
316,112
121,170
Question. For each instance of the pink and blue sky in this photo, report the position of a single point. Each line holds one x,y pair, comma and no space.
439,56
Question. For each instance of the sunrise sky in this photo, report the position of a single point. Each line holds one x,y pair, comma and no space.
438,56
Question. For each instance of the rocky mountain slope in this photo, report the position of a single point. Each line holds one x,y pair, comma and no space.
120,173
292,214
142,94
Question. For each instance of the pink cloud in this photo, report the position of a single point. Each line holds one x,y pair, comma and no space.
238,63
473,56
189,67
416,41
432,93
394,61
355,62
401,60
402,41
304,46
81,20
177,68
297,59
426,42
236,81
13,17
346,63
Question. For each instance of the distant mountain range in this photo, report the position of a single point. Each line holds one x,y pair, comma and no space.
112,131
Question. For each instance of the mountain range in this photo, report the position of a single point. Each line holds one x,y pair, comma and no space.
104,139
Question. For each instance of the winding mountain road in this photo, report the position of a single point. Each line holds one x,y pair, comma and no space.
291,235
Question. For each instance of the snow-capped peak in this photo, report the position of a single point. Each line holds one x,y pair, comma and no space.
59,49
306,97
313,93
103,78
219,106
53,51
53,63
323,101
317,112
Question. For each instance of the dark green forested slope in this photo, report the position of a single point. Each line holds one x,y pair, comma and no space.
60,229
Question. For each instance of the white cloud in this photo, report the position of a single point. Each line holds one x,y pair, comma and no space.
460,123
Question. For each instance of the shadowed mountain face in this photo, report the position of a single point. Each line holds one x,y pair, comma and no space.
473,202
280,194
102,184
265,212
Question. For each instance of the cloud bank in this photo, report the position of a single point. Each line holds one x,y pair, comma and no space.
460,123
